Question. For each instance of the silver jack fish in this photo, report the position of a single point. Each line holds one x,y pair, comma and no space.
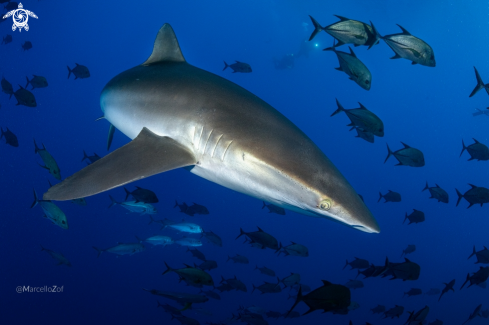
182,116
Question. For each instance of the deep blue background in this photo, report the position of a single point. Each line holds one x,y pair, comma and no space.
427,108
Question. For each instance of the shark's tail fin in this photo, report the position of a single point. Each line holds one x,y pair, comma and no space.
317,28
473,252
460,196
225,66
297,300
35,200
339,109
389,153
480,84
466,280
69,72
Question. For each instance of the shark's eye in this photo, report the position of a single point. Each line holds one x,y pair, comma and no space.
325,204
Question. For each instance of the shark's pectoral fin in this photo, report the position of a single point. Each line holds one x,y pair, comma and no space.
148,154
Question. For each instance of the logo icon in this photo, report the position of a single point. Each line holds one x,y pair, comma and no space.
20,17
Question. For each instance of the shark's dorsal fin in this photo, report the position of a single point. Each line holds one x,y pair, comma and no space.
166,48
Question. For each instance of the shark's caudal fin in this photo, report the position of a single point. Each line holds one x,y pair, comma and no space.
148,154
166,47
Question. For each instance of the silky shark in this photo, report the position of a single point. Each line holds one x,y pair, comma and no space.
181,116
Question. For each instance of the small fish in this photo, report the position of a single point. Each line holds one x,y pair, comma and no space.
37,82
475,313
10,138
476,150
91,159
418,317
122,249
7,87
188,227
180,297
57,256
264,239
80,71
357,263
348,31
274,209
476,195
197,209
169,309
404,271
407,156
411,48
294,249
224,287
415,217
141,194
27,45
365,135
484,314
191,274
291,280
410,249
208,265
165,222
390,197
413,292
25,97
51,212
268,287
265,270
482,255
362,118
354,284
7,39
211,294
159,240
378,310
235,283
197,254
437,193
395,311
213,238
478,277
133,206
448,287
184,208
480,84
239,259
353,67
305,288
238,67
185,241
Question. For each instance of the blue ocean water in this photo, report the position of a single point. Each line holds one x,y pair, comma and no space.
427,108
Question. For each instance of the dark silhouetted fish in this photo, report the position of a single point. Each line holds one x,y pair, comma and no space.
49,162
475,313
329,297
265,270
211,294
365,135
169,309
390,197
37,82
92,159
291,280
159,240
122,249
485,313
183,298
235,283
476,195
197,209
362,118
395,311
353,67
142,195
411,48
57,256
294,249
268,287
27,45
378,310
354,284
482,255
7,87
224,287
448,287
357,263
133,206
348,31
238,67
480,84
7,39
477,277
208,265
274,209
413,292
406,156
437,193
213,238
184,208
476,150
239,259
196,253
415,217
262,238
192,275
25,97
418,317
10,138
405,271
186,241
80,71
410,249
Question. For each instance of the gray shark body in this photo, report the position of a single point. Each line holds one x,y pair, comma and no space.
182,116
